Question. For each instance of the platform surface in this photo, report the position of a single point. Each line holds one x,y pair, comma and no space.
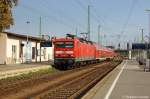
22,66
18,69
127,81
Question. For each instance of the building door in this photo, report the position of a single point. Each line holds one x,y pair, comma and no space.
21,52
33,52
28,52
14,53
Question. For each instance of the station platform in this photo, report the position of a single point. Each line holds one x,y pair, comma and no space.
17,69
127,81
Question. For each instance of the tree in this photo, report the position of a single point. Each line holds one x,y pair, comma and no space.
6,19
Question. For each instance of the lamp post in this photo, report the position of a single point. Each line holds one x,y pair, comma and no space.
40,35
145,56
99,26
28,22
27,45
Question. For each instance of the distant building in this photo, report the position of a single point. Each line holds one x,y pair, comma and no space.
17,48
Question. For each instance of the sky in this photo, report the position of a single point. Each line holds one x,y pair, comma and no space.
120,20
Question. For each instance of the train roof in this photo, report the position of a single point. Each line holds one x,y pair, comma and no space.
80,39
71,37
106,49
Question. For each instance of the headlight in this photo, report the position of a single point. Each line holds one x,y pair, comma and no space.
69,52
59,52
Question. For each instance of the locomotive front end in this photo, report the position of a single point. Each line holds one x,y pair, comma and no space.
63,53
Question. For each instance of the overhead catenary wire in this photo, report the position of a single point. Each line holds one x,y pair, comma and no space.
81,4
129,16
125,25
50,17
60,13
94,16
84,7
104,17
100,20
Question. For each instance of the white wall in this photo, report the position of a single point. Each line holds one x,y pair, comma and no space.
27,51
3,38
10,43
33,44
6,43
49,53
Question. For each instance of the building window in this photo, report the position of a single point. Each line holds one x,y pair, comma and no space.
33,52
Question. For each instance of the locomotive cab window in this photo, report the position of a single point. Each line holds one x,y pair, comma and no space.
64,44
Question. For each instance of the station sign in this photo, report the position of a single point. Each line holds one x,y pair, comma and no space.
46,44
140,46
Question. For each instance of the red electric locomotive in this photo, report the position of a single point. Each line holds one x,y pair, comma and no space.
72,51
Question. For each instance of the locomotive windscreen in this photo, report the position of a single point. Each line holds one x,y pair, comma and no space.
64,44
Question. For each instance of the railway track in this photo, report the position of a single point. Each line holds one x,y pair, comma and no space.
60,85
75,87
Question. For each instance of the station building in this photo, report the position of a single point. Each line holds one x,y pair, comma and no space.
17,49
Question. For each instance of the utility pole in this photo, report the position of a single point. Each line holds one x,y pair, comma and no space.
76,31
28,22
99,34
27,44
40,28
88,22
142,32
40,34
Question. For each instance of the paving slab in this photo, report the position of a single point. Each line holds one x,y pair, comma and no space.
127,81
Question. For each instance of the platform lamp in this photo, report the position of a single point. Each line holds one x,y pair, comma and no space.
148,10
148,53
146,40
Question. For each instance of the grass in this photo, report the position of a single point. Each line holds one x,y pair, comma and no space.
30,74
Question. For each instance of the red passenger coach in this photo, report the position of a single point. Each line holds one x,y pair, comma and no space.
72,51
107,53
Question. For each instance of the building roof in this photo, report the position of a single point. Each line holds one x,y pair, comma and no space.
23,36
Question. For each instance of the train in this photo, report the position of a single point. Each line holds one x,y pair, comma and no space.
72,52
